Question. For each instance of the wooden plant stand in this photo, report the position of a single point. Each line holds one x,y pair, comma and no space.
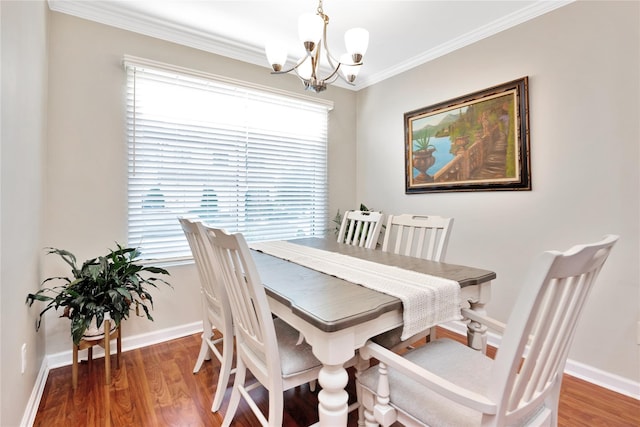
104,342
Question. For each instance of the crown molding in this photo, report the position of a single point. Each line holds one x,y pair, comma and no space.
495,27
109,13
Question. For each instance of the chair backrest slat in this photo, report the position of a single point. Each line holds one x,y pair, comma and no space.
418,236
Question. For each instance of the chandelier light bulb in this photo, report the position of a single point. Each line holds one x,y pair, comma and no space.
276,55
310,30
357,41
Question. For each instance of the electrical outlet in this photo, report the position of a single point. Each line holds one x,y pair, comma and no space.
24,357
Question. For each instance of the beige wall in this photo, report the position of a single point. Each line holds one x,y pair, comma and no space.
583,66
87,161
23,31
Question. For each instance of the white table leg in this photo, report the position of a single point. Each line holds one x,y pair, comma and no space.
333,398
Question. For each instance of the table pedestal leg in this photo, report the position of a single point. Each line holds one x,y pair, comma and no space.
333,398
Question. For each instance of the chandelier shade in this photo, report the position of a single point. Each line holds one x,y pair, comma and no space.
356,40
310,28
276,55
312,33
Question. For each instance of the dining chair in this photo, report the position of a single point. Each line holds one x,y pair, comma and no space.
266,346
447,383
418,236
360,228
215,308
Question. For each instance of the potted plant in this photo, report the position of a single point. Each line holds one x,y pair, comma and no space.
422,156
108,284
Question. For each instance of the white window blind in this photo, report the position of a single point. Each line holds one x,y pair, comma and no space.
230,156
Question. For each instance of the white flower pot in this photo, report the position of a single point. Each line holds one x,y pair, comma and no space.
94,333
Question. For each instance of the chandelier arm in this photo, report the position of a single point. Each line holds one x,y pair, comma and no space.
295,67
333,74
331,61
315,62
330,58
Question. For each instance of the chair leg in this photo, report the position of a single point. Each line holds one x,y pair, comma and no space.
361,365
384,413
276,407
312,383
241,372
204,352
225,370
367,403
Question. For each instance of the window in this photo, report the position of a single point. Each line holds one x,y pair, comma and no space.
231,156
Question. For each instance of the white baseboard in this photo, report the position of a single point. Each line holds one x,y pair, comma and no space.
596,376
588,373
64,358
31,410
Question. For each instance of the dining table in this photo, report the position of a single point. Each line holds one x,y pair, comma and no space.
337,317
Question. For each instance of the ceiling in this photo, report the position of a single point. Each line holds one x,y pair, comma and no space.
403,34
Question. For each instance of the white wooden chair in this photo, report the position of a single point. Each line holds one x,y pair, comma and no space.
418,236
360,228
266,346
447,383
215,308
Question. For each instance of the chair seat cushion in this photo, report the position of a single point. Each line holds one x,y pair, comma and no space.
444,357
295,358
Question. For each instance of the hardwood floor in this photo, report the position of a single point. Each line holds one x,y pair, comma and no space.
155,386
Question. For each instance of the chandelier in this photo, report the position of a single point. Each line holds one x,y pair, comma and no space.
312,31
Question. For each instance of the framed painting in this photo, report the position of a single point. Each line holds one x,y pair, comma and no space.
477,142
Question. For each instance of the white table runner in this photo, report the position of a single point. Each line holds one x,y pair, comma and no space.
427,300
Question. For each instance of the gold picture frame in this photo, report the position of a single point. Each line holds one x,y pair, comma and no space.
477,142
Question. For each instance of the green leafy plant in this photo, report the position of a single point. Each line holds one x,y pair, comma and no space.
422,141
112,284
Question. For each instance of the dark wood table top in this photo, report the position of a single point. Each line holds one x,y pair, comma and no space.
332,304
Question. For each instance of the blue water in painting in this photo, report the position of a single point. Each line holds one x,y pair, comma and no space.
442,154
